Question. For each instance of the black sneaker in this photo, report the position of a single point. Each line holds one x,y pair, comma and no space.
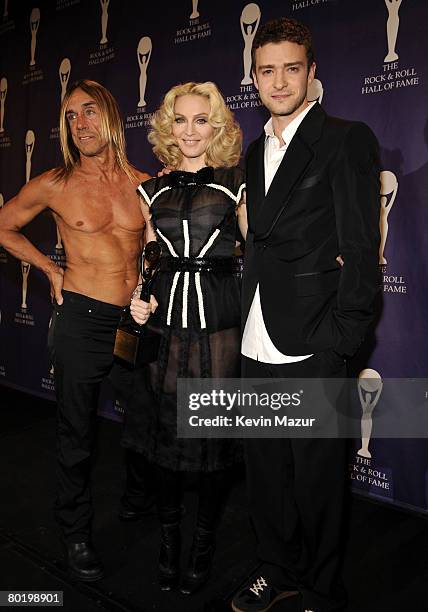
259,596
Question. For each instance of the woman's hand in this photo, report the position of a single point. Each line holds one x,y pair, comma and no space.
165,170
140,310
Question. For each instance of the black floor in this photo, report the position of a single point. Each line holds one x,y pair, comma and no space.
386,567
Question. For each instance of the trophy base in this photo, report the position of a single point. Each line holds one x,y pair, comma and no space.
136,348
126,346
391,57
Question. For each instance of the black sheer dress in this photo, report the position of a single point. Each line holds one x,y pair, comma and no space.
194,216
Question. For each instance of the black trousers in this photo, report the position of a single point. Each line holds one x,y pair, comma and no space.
297,491
82,337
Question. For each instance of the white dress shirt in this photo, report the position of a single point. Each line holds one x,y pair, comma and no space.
256,342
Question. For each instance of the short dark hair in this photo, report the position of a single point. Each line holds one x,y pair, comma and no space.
281,30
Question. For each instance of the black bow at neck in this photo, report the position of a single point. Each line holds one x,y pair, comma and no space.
181,178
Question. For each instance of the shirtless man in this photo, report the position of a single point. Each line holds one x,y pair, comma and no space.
93,199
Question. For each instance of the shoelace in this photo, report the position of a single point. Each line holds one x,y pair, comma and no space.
258,586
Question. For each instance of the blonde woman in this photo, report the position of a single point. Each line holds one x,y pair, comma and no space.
194,212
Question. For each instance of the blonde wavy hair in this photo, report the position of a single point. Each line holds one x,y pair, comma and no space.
111,129
224,150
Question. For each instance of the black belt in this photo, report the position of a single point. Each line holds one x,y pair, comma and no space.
226,265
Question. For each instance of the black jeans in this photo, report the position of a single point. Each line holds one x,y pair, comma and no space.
82,338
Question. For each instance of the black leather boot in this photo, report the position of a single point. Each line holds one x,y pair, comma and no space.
200,561
169,556
138,500
83,561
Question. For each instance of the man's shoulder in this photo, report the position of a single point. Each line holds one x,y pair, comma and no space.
39,193
46,183
51,177
141,176
352,140
131,174
346,128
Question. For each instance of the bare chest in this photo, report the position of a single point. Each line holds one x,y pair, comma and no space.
99,208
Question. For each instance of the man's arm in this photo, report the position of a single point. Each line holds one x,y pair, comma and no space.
33,198
356,193
149,233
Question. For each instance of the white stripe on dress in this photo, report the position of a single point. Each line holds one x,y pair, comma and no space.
167,242
209,243
186,238
186,274
144,194
171,297
200,300
239,195
226,191
185,296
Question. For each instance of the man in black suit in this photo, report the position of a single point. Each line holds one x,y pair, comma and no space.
310,278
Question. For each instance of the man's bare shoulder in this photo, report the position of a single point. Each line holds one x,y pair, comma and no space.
48,183
142,176
35,196
40,191
49,187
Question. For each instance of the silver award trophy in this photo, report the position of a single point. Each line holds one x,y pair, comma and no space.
388,193
137,344
144,51
25,269
369,389
392,25
195,13
58,246
3,94
34,26
250,19
30,139
315,91
104,20
64,75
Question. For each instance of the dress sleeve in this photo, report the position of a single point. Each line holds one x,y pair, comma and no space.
147,189
238,183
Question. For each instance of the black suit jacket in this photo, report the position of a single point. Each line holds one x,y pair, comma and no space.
323,201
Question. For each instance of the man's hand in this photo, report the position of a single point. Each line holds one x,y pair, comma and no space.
56,280
140,310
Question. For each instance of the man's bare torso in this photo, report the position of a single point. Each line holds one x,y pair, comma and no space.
101,226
